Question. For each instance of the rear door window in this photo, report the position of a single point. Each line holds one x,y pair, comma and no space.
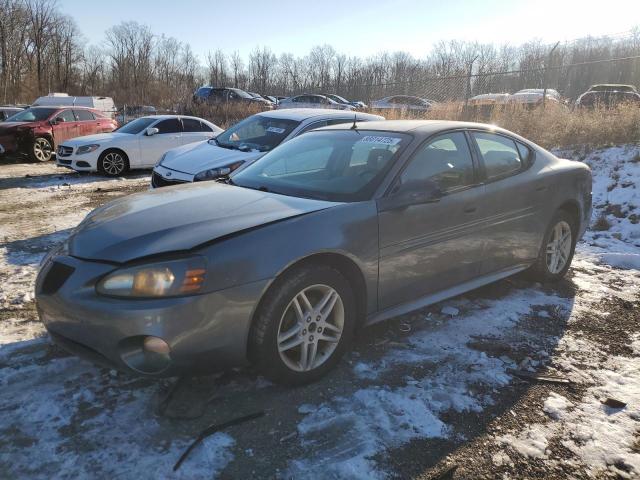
84,115
499,154
191,125
67,116
171,125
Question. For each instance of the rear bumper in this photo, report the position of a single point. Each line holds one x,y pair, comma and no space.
205,332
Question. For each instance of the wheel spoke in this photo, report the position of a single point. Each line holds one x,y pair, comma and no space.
311,355
304,352
291,343
298,310
333,328
328,303
293,331
302,298
327,338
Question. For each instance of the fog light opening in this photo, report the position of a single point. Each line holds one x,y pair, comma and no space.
156,345
146,354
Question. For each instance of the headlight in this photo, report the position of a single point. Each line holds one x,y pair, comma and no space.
214,173
163,279
87,149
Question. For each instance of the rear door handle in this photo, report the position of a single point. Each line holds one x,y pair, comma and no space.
541,188
470,209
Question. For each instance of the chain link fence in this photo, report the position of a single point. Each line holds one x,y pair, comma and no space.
569,80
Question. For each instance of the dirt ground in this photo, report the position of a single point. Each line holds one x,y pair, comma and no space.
438,394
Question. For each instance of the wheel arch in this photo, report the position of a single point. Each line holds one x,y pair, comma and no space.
113,149
341,262
572,207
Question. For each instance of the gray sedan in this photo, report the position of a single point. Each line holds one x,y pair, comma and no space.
332,231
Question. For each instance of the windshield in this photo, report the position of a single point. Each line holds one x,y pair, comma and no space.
32,115
136,126
256,133
334,165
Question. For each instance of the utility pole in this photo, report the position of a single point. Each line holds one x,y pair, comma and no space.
546,69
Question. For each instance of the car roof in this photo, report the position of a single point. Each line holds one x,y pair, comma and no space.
421,127
300,114
64,107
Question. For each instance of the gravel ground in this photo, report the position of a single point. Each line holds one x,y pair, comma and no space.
428,395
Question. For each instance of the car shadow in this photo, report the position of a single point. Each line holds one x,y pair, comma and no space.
405,397
30,251
65,178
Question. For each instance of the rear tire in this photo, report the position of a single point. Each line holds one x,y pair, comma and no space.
113,163
304,325
558,247
41,150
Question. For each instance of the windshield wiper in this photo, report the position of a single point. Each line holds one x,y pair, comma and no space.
223,145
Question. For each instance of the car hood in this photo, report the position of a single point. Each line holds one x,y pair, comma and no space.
178,219
99,137
196,157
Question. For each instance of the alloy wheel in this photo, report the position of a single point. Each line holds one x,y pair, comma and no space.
42,149
113,163
559,247
310,328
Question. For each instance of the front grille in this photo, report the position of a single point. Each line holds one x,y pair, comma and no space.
158,180
56,276
64,151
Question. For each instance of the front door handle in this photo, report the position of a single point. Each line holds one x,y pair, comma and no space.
541,188
470,209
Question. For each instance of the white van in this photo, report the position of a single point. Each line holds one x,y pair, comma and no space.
102,104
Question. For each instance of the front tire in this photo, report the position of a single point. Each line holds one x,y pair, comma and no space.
113,163
41,150
304,325
558,247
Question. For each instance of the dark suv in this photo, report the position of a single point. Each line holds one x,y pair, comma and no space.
37,130
608,95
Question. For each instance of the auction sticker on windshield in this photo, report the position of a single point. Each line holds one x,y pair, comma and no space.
275,130
379,139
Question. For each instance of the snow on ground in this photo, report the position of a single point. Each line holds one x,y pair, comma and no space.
62,415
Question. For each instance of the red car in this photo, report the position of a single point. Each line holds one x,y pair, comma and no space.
37,130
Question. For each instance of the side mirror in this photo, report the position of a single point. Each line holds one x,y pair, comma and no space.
151,131
57,120
413,192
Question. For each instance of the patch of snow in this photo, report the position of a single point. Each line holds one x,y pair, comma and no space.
622,260
451,311
531,442
556,406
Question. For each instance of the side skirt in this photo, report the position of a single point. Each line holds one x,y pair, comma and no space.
430,299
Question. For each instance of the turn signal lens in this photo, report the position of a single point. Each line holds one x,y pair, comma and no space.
193,280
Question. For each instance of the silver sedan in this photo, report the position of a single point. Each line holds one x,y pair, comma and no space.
332,231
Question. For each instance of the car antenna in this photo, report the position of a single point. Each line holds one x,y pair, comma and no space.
354,126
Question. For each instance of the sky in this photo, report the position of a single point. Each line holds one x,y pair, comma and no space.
354,27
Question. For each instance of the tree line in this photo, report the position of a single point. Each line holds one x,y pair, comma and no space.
42,50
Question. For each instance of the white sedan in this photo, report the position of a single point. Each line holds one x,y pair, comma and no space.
138,144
